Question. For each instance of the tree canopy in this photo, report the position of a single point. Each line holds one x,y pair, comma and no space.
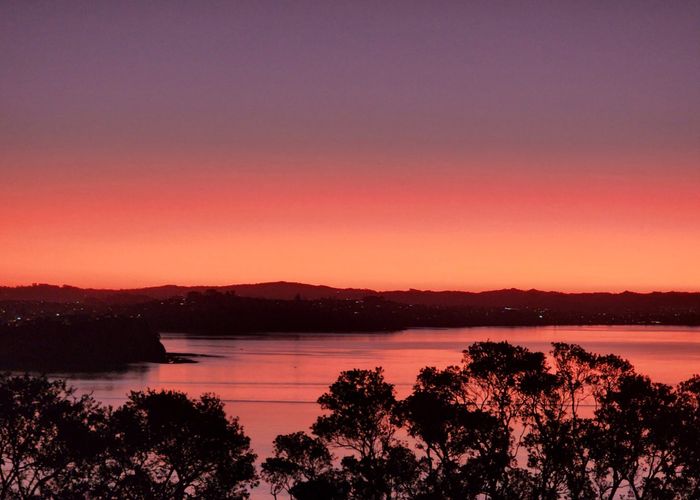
54,444
505,423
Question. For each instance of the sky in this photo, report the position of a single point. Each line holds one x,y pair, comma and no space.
445,145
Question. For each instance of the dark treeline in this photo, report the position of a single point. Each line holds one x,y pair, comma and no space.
506,423
213,312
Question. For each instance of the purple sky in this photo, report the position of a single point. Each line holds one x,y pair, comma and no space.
383,79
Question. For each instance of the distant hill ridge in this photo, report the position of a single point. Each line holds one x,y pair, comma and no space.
288,290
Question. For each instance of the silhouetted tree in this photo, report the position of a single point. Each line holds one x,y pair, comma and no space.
165,445
500,375
632,438
557,456
503,425
457,437
360,405
507,425
50,439
686,446
558,437
361,418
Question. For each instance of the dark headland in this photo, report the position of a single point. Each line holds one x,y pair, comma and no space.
78,342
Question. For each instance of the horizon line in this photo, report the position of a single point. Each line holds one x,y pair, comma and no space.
346,288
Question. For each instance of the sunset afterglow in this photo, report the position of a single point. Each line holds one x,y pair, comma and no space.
470,147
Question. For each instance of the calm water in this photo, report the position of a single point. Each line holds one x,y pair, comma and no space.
272,382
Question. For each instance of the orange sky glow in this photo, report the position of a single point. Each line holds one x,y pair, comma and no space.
433,229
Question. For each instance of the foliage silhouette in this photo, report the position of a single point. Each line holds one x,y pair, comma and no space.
361,408
507,423
49,438
166,445
157,445
301,463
